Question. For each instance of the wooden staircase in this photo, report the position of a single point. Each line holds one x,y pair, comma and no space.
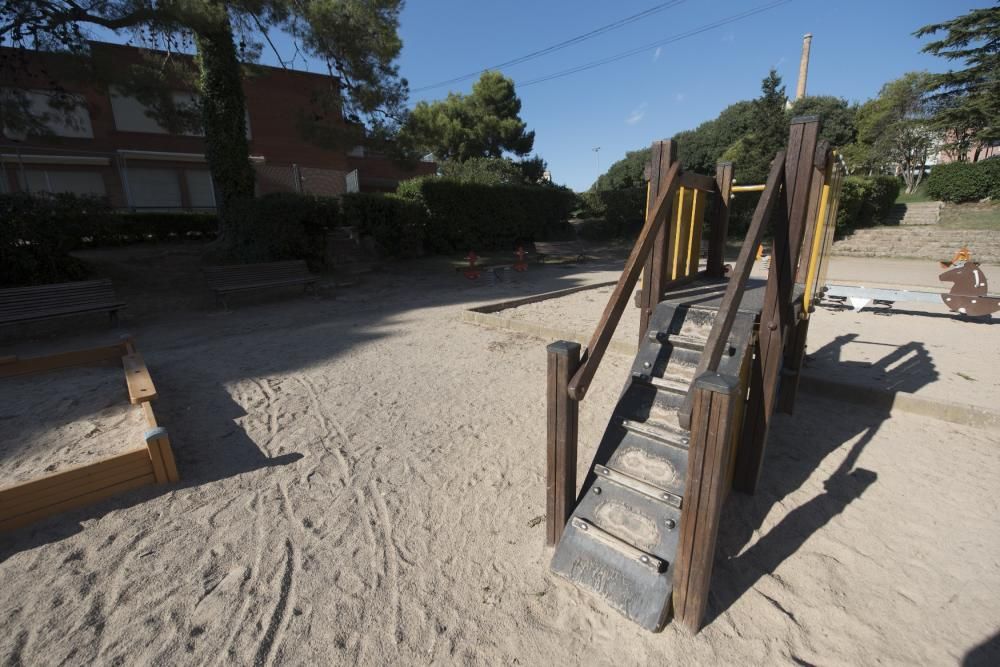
691,421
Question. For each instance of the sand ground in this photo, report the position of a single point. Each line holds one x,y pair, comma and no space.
363,483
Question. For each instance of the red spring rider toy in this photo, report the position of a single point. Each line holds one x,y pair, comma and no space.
472,271
520,264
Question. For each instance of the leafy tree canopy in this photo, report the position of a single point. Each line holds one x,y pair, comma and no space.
838,118
701,148
966,102
753,154
485,123
494,171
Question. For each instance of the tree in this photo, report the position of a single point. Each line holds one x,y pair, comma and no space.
895,125
356,38
485,123
838,118
966,103
753,153
494,171
701,148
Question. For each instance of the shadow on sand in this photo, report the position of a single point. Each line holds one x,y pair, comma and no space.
789,465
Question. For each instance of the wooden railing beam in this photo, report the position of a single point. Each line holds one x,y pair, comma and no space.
662,155
719,227
626,283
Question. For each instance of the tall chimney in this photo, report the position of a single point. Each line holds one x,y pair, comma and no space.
800,90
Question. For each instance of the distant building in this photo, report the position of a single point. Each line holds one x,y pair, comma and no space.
108,145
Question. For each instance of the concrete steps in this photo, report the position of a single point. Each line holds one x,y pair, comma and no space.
924,213
921,242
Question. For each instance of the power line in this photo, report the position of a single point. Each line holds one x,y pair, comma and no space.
662,42
556,47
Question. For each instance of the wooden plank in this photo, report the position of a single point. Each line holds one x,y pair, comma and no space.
24,504
37,486
140,384
692,181
719,225
561,445
705,493
662,156
616,304
150,416
60,360
79,501
812,222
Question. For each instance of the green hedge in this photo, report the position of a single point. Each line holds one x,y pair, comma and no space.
38,233
865,201
469,216
965,181
397,224
281,226
624,210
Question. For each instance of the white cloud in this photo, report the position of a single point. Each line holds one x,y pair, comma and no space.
656,54
637,114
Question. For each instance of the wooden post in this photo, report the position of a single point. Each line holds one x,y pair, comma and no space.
720,219
776,321
715,398
560,479
654,275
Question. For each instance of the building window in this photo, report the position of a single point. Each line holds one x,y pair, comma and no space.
131,115
153,188
48,111
75,182
201,191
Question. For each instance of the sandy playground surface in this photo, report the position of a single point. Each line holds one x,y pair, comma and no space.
363,483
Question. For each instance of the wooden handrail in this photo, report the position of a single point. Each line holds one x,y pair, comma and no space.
726,315
655,218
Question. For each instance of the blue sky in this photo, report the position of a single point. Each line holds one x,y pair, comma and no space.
857,46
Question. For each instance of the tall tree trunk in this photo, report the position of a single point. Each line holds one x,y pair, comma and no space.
223,106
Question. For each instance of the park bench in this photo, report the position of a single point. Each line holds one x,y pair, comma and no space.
43,302
572,249
224,280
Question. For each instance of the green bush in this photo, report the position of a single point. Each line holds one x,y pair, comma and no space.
965,181
38,233
624,210
865,201
280,227
155,226
468,216
396,223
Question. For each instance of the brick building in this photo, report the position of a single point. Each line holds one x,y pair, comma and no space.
108,145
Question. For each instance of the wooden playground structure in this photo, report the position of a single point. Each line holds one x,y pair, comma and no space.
151,463
717,357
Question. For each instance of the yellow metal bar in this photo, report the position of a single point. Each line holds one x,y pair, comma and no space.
748,188
819,237
677,232
838,180
694,235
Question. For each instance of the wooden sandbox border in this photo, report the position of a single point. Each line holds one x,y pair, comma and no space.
152,463
488,316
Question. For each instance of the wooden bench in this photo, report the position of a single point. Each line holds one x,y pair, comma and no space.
43,302
572,249
225,280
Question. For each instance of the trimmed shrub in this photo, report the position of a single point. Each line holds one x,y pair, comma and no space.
396,223
38,233
965,181
121,228
464,216
624,210
281,226
865,202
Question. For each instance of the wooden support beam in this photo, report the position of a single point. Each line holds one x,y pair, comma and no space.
715,399
777,319
561,439
719,225
663,154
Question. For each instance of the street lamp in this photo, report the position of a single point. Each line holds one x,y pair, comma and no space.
597,155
